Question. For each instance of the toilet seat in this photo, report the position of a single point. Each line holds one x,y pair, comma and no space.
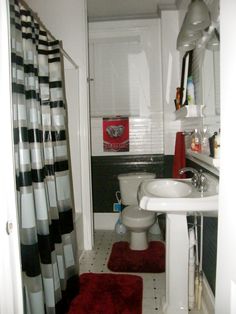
133,216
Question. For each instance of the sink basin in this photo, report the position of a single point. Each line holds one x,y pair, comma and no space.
168,188
179,195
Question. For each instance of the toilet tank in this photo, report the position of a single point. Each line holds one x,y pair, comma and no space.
129,183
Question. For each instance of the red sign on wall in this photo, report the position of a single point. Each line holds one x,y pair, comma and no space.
116,134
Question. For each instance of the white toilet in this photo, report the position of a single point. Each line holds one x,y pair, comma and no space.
136,221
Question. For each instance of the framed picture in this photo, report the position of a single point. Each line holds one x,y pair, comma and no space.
186,72
116,134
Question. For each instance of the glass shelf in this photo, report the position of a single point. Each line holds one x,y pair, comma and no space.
190,111
211,164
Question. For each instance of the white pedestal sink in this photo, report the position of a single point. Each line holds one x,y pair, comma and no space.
177,198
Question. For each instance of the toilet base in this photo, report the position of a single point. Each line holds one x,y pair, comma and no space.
138,241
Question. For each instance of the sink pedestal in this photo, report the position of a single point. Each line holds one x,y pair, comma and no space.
177,249
177,198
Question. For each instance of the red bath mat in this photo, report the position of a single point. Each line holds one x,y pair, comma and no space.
151,260
108,294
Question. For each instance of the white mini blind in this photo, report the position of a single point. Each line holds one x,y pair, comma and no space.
118,79
125,68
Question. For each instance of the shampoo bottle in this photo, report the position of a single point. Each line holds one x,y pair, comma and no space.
190,91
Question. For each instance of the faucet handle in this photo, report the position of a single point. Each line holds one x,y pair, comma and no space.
202,182
195,180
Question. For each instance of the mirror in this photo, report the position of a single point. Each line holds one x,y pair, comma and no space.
185,73
206,76
211,82
206,66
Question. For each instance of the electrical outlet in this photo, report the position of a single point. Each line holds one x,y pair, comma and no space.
116,207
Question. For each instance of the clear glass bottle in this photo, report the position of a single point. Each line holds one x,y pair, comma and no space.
205,142
196,141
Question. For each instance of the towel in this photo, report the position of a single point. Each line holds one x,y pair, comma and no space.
179,157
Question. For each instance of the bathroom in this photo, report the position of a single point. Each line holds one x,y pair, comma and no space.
74,37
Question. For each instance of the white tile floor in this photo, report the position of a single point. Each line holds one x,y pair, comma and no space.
96,261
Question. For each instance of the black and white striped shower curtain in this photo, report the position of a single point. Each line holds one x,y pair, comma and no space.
48,247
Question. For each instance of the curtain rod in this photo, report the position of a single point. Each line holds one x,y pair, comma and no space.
35,15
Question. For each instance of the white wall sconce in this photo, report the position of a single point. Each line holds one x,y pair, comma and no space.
214,41
196,20
198,16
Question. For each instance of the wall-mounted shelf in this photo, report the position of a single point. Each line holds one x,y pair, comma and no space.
190,111
212,164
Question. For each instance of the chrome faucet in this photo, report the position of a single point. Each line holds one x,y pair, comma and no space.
199,180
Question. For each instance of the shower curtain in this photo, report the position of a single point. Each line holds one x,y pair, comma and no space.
48,247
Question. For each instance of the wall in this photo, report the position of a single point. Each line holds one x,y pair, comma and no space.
170,76
151,119
66,20
125,68
105,171
145,136
148,133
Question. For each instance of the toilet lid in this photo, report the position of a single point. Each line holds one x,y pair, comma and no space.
134,212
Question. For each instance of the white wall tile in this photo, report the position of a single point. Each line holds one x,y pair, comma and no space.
145,135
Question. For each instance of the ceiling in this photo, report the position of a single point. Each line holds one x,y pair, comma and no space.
118,9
